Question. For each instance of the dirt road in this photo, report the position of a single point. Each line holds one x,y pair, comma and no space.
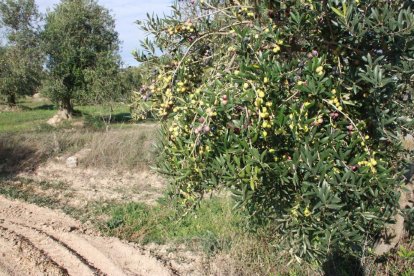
40,241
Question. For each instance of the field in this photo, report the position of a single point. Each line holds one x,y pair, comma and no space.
114,192
34,114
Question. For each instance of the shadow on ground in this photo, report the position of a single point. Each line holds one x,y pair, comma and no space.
16,157
341,265
113,119
121,118
98,122
25,107
45,107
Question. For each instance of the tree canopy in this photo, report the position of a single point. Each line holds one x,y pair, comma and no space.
297,107
81,45
21,57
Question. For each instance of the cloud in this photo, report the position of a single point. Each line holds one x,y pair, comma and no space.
126,13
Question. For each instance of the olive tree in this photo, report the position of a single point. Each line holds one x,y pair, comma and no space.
81,45
21,58
297,107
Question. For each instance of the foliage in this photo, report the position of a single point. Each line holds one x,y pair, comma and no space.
82,48
297,106
131,80
140,96
21,58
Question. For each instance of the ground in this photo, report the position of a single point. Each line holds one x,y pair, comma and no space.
40,241
45,240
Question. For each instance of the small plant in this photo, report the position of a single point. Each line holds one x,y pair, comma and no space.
405,253
162,223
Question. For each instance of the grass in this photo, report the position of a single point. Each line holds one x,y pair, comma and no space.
28,190
120,149
32,115
25,151
31,120
213,223
26,140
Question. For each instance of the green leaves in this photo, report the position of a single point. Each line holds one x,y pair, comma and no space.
21,58
82,48
294,110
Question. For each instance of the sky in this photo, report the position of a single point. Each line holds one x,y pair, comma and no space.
125,12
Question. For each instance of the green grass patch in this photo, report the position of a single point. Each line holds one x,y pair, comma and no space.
99,117
103,110
211,226
31,115
27,120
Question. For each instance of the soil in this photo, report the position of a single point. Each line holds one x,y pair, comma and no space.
93,184
40,241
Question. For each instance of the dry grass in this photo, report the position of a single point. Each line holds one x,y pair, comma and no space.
252,254
115,149
122,149
27,151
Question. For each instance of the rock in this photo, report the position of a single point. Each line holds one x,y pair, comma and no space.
62,115
72,228
72,162
408,142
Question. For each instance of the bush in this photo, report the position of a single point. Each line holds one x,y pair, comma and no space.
297,106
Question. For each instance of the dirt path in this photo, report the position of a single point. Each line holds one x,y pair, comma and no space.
40,241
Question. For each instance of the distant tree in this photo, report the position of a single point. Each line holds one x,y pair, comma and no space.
21,57
132,77
81,45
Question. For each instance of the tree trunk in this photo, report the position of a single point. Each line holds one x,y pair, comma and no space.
65,113
66,109
11,100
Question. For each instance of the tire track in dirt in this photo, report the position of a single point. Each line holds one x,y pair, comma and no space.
30,252
47,242
59,250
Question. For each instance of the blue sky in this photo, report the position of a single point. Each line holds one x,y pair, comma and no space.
126,12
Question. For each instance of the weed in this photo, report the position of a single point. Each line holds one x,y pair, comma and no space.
207,226
123,149
17,190
94,123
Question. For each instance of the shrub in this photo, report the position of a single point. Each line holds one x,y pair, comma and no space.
297,106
